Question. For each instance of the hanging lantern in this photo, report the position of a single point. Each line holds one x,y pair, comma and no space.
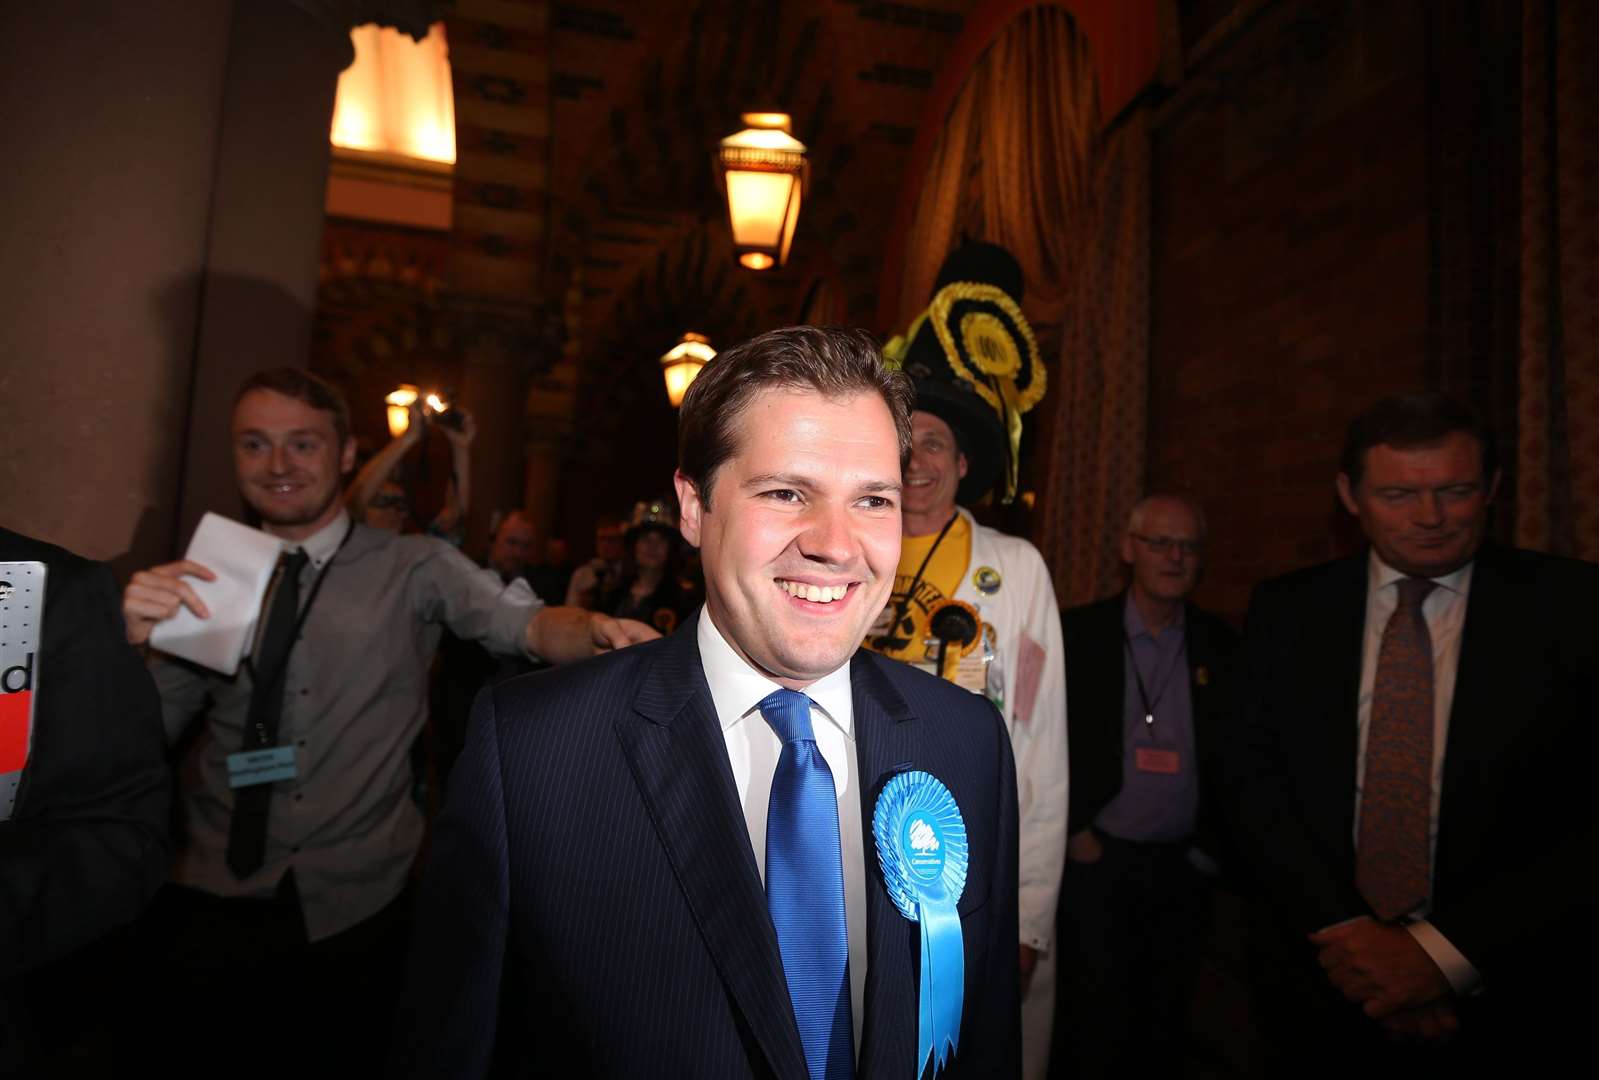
399,404
763,170
683,362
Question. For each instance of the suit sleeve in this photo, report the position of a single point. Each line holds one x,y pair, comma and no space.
1042,771
1536,910
1281,856
1522,909
89,843
449,1009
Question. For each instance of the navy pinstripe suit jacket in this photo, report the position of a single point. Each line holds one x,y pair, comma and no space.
592,906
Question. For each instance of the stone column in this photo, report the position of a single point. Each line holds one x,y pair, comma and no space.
112,113
500,63
261,255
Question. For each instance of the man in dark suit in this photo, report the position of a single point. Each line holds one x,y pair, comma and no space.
615,887
1142,830
86,843
1414,772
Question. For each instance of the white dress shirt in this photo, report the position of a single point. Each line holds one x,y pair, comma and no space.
1445,612
753,749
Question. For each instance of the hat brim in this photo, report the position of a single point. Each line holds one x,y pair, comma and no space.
980,439
630,537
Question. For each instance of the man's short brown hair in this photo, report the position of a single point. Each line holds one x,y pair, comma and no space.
832,361
301,385
1409,421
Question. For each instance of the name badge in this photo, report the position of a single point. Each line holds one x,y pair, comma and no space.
1150,760
267,766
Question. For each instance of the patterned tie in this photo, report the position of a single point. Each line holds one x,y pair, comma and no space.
805,889
1392,861
247,830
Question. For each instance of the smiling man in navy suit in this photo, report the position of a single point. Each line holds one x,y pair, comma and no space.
662,862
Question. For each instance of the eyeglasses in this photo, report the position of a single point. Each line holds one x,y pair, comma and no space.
1160,545
388,502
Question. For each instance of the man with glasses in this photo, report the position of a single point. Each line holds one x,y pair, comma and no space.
1148,678
971,604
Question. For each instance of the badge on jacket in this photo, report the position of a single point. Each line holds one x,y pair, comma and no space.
986,580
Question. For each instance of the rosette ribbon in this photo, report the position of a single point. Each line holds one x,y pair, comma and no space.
921,847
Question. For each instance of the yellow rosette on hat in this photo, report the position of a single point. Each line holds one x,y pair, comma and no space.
975,363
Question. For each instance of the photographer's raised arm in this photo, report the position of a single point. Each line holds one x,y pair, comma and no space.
364,488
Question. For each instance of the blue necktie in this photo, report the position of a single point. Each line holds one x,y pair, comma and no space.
805,889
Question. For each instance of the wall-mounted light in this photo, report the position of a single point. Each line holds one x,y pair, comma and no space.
763,170
399,404
683,362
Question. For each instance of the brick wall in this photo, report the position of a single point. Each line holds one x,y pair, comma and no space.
1289,274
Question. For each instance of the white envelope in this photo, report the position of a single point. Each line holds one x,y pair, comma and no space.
243,560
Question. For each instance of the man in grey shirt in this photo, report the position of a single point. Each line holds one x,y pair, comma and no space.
311,914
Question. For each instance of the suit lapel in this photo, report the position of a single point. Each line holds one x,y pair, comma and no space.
884,745
1201,651
1337,640
675,748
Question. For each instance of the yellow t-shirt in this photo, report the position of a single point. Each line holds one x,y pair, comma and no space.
907,640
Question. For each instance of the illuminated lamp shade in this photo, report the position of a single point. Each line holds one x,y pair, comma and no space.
764,171
682,363
399,404
397,97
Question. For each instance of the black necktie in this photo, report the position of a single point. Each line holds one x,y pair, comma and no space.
247,833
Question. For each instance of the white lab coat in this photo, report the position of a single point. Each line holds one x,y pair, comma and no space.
1023,608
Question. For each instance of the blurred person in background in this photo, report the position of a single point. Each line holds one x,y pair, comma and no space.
590,580
649,589
1149,684
376,498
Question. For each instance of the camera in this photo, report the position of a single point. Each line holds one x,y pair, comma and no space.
451,419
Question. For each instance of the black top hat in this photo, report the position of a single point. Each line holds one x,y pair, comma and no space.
975,363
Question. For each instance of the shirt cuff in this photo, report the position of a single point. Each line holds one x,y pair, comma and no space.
1463,978
1037,937
513,609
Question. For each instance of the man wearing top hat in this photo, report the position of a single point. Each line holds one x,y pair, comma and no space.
970,603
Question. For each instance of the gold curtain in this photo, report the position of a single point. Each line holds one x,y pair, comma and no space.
1093,445
1557,498
1011,165
1022,162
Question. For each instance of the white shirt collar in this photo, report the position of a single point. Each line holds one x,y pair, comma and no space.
1381,575
322,544
737,688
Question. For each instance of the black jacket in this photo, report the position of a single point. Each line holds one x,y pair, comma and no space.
88,842
592,906
1096,666
1514,886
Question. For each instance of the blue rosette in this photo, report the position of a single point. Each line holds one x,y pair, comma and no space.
922,849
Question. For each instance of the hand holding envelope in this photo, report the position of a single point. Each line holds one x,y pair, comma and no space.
203,608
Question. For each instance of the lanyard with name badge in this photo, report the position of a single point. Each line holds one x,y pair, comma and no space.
269,764
888,640
1149,759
